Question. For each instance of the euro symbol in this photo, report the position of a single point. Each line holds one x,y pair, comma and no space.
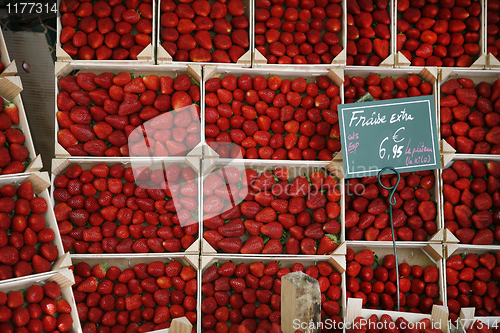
395,136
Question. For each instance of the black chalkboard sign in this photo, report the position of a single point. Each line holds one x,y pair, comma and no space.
399,133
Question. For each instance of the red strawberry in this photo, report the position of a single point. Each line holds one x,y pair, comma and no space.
88,285
365,257
12,111
327,244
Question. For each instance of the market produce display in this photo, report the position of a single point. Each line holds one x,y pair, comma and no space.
271,212
439,33
469,115
205,31
155,196
39,308
298,32
272,118
375,283
103,30
98,114
471,201
414,214
368,32
249,295
145,295
113,209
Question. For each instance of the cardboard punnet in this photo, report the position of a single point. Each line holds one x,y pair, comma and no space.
64,278
478,62
298,169
284,261
489,76
468,158
146,57
260,61
163,58
63,69
40,182
60,165
124,262
336,75
413,253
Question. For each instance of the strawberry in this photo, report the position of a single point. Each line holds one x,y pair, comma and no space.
254,244
327,244
99,271
12,111
365,257
88,285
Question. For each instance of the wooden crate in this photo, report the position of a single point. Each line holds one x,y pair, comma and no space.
60,165
423,254
337,262
479,63
64,278
298,168
41,182
146,57
64,69
124,262
336,75
165,59
259,61
10,88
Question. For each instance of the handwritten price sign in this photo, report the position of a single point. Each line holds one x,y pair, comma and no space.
400,133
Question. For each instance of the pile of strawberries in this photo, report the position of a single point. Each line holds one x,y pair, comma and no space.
384,87
102,30
493,27
368,32
414,214
26,243
472,281
14,156
443,33
231,292
402,325
204,31
471,192
98,114
298,32
272,118
469,116
39,308
146,295
376,284
124,210
271,212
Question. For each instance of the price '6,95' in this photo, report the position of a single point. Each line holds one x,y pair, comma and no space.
397,150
